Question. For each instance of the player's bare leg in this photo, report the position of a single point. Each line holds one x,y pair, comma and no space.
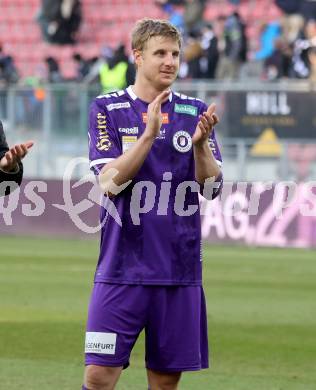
163,380
101,378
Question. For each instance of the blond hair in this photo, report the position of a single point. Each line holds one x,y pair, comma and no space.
147,28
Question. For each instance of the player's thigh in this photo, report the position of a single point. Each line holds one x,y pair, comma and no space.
101,377
163,380
117,314
176,332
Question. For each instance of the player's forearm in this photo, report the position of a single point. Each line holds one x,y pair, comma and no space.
125,167
205,164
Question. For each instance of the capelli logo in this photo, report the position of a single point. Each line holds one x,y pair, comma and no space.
128,130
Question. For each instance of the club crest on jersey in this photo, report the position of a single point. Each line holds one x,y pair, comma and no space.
182,141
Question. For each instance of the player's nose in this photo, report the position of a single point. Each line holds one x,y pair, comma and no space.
169,60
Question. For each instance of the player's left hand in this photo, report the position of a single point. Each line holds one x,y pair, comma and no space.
14,155
205,126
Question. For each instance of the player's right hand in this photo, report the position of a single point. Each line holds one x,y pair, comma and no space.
14,155
154,116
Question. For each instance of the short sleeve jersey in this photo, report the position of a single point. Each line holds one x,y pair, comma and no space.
161,244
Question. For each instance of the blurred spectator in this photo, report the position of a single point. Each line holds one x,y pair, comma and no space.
53,72
193,11
192,54
312,61
235,47
269,33
93,77
219,28
278,64
83,66
292,21
30,100
308,9
289,6
59,20
8,75
301,66
174,16
310,30
8,71
200,54
118,72
210,56
265,62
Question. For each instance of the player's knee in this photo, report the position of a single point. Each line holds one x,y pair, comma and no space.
170,383
164,381
101,378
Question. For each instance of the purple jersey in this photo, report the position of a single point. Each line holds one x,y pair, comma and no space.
162,246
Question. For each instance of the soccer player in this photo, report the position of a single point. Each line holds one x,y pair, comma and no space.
11,168
152,149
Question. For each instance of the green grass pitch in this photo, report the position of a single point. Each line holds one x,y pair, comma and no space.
261,308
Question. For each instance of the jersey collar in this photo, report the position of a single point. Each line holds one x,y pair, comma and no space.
131,93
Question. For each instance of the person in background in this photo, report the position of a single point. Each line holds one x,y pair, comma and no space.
8,71
93,77
278,64
292,20
235,49
8,75
117,72
83,66
53,72
308,9
210,56
11,167
265,59
59,20
174,16
269,33
192,12
312,60
300,60
200,53
192,54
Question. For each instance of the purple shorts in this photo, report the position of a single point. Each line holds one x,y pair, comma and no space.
174,319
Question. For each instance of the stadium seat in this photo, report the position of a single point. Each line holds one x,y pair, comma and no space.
105,22
211,12
244,11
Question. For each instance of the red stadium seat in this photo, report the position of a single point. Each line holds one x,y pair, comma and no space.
211,12
105,22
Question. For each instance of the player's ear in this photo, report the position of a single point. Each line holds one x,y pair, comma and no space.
137,57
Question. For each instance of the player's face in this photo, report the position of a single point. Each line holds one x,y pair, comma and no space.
159,61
